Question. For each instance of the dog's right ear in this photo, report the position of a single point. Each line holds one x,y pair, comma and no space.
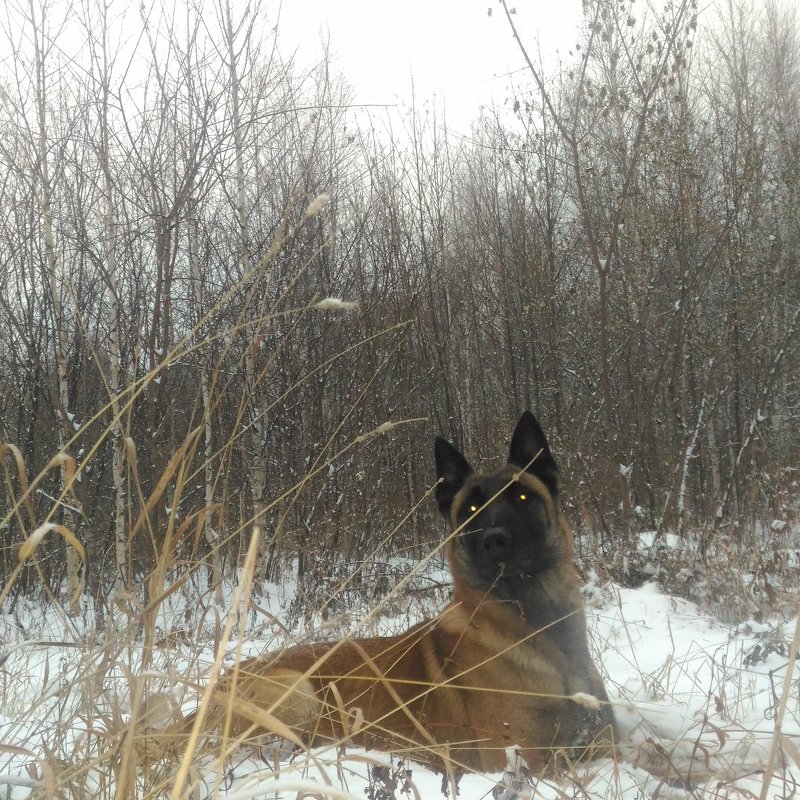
452,470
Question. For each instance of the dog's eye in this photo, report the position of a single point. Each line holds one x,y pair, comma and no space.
473,508
522,497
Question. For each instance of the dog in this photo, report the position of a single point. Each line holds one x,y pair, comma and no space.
505,663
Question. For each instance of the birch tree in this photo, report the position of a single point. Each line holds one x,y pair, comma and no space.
42,178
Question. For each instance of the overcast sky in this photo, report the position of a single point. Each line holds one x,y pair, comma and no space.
451,47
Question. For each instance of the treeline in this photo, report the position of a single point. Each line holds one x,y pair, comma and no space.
616,249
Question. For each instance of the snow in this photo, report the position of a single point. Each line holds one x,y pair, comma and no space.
686,690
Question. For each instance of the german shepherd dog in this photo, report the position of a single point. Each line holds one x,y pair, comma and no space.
505,663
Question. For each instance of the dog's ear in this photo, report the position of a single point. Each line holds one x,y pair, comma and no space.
452,470
530,451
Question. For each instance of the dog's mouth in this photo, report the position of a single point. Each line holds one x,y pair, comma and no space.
516,572
523,571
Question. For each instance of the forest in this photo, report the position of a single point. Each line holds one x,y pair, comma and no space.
237,306
232,300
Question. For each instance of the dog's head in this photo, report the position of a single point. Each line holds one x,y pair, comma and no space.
508,530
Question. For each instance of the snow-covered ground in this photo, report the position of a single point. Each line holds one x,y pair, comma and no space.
688,691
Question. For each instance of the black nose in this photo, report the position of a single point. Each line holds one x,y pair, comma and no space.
495,542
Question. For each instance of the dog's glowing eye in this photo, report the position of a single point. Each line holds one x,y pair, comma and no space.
473,509
522,496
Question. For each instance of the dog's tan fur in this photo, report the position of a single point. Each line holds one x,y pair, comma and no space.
486,673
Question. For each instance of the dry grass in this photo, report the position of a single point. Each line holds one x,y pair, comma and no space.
77,705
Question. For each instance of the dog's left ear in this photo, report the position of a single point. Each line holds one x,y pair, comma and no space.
452,469
530,451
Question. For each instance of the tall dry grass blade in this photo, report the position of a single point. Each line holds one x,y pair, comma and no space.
28,547
781,712
177,460
22,475
256,715
242,596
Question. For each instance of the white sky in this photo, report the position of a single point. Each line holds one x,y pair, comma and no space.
453,48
